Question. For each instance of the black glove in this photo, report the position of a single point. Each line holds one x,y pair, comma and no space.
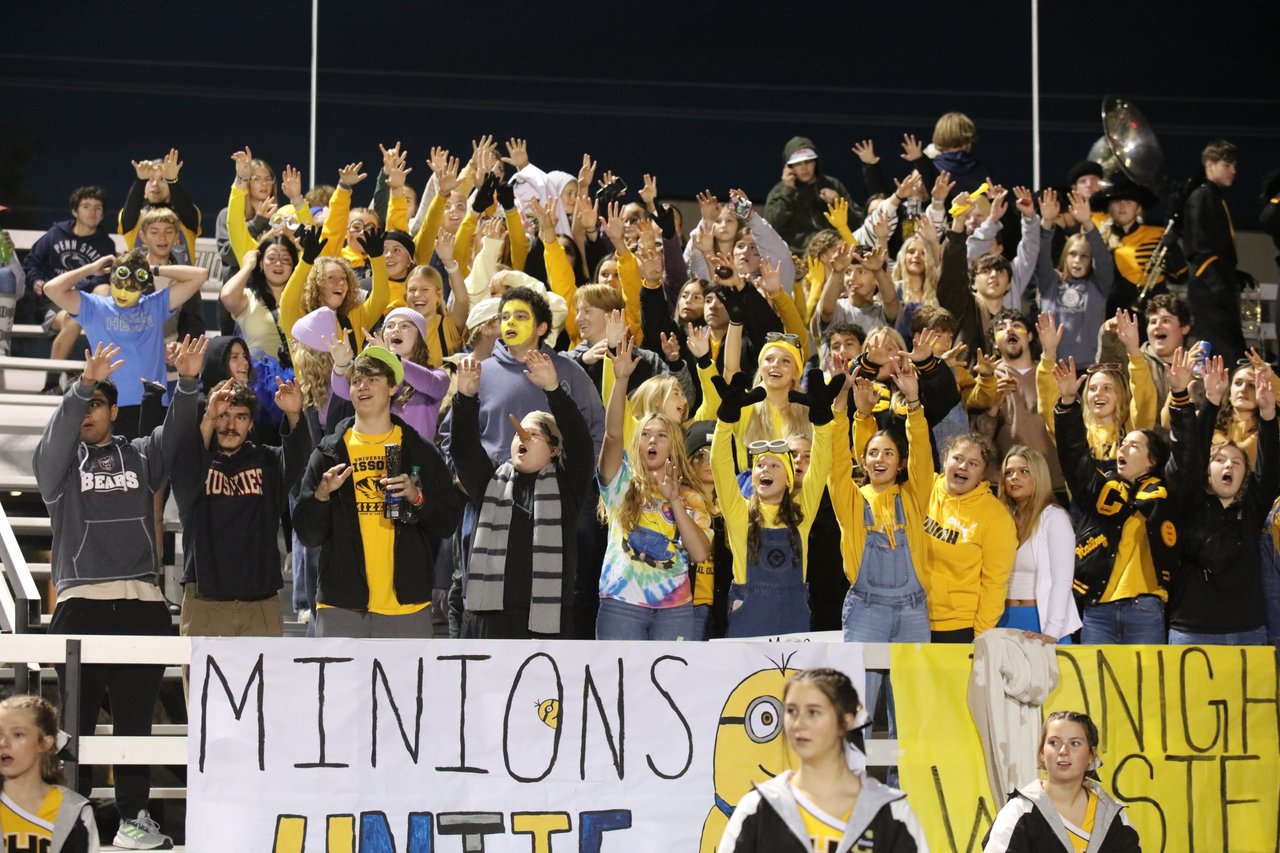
372,241
611,192
312,245
665,216
732,301
506,196
735,396
484,195
818,396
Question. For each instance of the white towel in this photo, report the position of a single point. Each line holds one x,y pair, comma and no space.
1012,676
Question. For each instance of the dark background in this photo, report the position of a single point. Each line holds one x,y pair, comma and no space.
702,96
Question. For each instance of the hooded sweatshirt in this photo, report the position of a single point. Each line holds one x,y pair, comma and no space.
505,389
61,250
100,497
972,543
796,213
1029,821
768,820
230,508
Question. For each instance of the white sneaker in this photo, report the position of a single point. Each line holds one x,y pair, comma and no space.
141,833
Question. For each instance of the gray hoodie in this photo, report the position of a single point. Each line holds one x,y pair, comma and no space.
100,498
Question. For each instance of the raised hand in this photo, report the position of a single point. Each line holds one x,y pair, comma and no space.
144,169
910,186
669,481
837,214
1179,371
288,397
190,357
171,166
651,266
735,396
866,152
921,346
999,206
614,226
1081,211
372,241
310,243
818,395
876,259
265,208
880,226
390,155
586,218
1050,208
445,246
738,195
720,263
942,187
540,369
350,174
218,403
709,207
984,365
907,379
865,395
615,328
331,481
339,350
842,259
99,364
1064,374
291,183
1050,334
103,265
545,217
912,148
1025,204
649,191
244,164
586,174
928,230
397,174
956,356
517,153
698,340
1266,398
670,346
468,377
1215,379
626,361
771,276
1127,331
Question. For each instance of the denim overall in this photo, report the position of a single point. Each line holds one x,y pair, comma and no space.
775,598
886,604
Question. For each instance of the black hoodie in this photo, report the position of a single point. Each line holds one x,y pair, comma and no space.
796,213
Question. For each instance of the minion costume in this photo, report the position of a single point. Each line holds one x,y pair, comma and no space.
769,594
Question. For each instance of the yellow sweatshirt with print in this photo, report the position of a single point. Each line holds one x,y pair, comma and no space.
972,543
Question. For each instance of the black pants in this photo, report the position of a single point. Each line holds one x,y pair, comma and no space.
959,635
132,688
1214,299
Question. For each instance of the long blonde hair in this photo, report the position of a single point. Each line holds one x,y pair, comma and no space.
1123,398
1062,259
932,269
651,395
642,485
312,369
1027,516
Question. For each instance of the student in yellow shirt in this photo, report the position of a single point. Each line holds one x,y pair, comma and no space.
36,811
377,531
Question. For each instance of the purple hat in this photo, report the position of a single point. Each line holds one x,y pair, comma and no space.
412,316
313,328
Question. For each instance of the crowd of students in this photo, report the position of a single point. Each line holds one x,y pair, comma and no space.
528,403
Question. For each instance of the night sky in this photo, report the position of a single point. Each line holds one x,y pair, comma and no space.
704,96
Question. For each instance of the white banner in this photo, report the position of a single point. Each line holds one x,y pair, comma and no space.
408,746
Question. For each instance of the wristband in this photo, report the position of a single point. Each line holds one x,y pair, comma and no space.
420,500
451,269
343,185
155,270
167,181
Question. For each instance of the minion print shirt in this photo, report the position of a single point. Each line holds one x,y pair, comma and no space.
645,565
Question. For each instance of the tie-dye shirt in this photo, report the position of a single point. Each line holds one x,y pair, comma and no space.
646,565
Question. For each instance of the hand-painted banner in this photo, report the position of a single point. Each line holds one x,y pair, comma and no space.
1190,739
394,746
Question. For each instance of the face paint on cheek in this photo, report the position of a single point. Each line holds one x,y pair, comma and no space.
515,330
125,298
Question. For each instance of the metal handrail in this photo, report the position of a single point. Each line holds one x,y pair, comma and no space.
22,605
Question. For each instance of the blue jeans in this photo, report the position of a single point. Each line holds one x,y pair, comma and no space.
1270,566
701,622
1255,637
618,620
871,618
1129,621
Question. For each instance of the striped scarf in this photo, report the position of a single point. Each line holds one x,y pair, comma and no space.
486,574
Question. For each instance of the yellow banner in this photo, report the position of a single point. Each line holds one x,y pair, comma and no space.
1190,740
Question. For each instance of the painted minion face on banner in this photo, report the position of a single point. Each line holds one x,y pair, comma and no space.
128,283
517,324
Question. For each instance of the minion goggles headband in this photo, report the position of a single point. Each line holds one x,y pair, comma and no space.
131,278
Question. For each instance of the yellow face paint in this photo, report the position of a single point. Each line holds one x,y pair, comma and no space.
517,323
125,298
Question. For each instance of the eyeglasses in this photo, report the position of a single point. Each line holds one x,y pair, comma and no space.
131,278
772,337
702,454
358,227
290,221
261,179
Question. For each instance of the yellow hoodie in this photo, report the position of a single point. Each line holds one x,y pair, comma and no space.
848,500
1104,439
972,543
